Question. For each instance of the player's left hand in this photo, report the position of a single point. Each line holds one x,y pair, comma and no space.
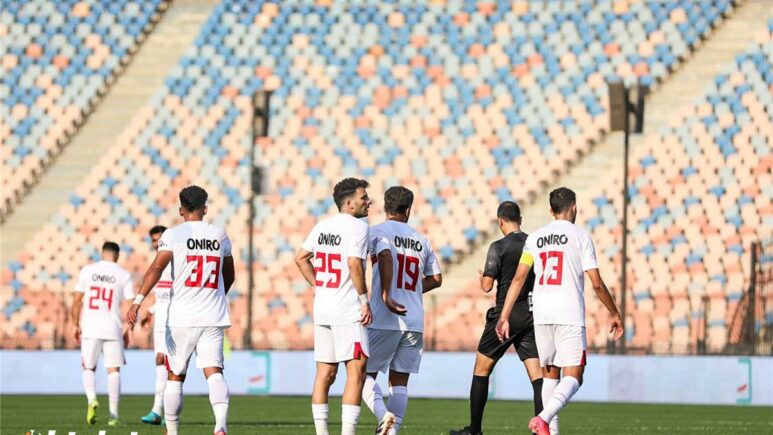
616,328
367,315
394,306
503,329
132,314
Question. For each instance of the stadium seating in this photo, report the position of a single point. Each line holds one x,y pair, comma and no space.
57,59
700,195
467,104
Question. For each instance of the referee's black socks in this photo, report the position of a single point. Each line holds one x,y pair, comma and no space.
478,398
537,386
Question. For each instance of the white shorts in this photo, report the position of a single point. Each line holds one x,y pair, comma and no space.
339,343
397,350
181,342
92,347
560,345
159,340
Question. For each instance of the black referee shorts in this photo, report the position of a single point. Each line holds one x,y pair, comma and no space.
521,335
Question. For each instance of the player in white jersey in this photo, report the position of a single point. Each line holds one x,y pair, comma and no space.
332,259
202,272
404,268
96,311
158,318
560,253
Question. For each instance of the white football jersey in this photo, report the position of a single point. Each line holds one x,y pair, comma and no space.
333,241
163,289
104,285
198,295
561,252
412,260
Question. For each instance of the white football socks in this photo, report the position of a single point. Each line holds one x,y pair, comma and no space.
349,416
173,404
397,405
113,392
319,412
372,396
548,387
561,396
90,385
158,400
218,397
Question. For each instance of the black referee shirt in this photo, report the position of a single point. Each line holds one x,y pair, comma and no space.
501,263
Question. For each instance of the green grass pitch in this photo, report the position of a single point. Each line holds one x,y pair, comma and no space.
292,415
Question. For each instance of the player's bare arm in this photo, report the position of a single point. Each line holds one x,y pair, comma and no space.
229,273
127,330
386,272
431,282
303,261
616,328
77,306
486,282
357,272
152,275
503,325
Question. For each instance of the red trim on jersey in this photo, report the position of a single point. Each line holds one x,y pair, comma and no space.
166,363
164,284
358,352
584,360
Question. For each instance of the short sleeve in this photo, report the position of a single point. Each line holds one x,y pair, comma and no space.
311,240
128,288
379,242
225,245
80,285
493,262
165,242
432,265
588,254
358,242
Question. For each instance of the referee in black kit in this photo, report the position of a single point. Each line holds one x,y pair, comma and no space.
501,262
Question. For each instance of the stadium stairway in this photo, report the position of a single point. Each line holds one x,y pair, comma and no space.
680,88
160,52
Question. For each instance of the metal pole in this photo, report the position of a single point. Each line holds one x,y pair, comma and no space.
626,200
250,229
751,316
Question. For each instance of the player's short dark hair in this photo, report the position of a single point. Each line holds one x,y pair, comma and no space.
397,200
509,211
561,199
158,229
346,188
112,247
193,198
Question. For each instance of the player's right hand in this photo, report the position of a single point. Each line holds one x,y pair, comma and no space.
131,315
367,316
395,307
616,328
503,329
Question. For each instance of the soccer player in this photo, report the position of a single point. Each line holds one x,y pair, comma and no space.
501,262
99,327
560,253
404,268
158,317
202,273
332,259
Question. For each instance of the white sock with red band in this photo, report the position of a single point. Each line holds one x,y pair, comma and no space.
548,387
